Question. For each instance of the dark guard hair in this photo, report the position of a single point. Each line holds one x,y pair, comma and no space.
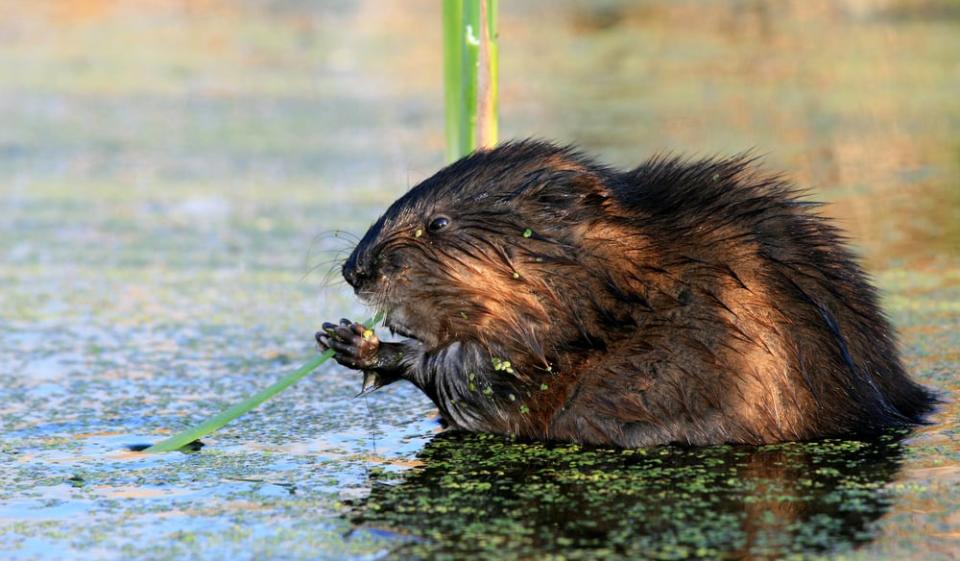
548,296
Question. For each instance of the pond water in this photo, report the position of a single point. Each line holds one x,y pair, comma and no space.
172,180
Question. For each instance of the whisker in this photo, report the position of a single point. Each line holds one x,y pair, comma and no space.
337,235
332,264
331,279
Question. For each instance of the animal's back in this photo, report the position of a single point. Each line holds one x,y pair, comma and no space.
755,325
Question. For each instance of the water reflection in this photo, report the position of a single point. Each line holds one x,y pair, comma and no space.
480,493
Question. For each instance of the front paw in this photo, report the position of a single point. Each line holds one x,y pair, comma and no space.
354,345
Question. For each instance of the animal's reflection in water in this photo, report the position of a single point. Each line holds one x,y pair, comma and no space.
480,494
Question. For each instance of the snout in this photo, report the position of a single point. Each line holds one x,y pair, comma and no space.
355,272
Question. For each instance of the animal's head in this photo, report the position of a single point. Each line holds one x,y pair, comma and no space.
489,248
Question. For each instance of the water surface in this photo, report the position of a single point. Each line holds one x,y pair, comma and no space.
170,181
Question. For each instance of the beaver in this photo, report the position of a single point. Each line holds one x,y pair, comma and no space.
545,295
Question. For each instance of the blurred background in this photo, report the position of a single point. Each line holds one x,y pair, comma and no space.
176,116
173,175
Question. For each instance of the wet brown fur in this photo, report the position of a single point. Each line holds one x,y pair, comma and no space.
692,301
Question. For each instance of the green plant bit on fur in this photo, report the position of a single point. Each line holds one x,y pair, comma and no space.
184,438
501,365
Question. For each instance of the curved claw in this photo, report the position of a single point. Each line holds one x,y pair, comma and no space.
371,383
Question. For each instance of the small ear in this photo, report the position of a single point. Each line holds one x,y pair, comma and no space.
569,189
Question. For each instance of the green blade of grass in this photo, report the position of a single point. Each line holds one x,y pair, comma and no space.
470,69
181,439
454,75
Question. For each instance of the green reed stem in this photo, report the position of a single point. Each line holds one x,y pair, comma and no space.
184,438
471,74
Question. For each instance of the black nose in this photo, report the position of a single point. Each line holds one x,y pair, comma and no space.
354,272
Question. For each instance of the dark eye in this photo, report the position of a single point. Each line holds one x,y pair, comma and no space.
438,223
